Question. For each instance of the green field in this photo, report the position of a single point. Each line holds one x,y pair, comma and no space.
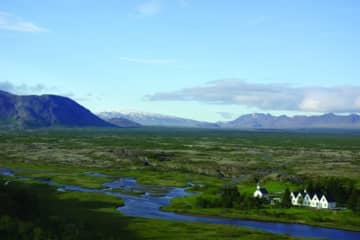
174,157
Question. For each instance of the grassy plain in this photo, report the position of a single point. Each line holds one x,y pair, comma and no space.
174,157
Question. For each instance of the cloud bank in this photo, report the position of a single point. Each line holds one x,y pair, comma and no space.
38,89
337,99
10,22
21,88
226,115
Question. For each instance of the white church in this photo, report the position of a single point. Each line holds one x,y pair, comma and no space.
261,192
314,200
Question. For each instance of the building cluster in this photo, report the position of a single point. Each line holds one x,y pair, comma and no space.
314,200
302,198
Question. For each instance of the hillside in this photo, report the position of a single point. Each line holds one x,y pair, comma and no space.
45,111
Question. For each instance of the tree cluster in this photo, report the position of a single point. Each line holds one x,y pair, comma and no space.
339,188
229,197
343,190
26,214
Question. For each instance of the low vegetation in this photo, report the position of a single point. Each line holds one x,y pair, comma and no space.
32,211
222,166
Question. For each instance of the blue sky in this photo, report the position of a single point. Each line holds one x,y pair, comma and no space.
207,60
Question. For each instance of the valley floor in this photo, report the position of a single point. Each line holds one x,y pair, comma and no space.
172,158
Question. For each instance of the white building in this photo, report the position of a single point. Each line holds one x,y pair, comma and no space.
312,200
315,201
261,192
297,198
327,202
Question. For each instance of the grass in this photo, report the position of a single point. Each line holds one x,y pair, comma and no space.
79,179
176,156
204,152
344,219
97,213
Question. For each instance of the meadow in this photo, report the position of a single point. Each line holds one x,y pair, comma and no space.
175,157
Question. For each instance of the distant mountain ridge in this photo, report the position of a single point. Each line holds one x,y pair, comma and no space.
268,121
154,119
33,111
247,121
123,122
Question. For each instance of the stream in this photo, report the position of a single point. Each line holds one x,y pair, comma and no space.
147,200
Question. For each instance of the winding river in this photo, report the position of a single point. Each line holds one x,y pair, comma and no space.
149,199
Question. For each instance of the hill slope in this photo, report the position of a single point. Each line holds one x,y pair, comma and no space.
45,111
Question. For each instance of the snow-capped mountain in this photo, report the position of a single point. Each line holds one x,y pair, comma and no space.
247,121
154,119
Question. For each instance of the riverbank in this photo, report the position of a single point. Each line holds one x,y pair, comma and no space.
49,214
344,219
155,197
182,157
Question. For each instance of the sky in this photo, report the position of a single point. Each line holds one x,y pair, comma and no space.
201,59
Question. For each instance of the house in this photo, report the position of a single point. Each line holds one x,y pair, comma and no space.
261,192
307,200
314,200
327,202
297,198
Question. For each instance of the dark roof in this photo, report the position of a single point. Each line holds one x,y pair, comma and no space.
329,198
303,193
312,194
263,191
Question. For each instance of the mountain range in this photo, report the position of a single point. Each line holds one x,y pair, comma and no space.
268,121
153,119
248,121
45,111
50,110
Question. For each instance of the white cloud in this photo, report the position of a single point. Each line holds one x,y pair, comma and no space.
10,22
155,61
338,99
21,88
357,102
38,89
149,8
226,115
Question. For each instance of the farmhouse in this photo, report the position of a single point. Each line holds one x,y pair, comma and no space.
261,192
314,200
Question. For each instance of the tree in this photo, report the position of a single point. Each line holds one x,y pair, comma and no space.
353,199
286,200
357,209
230,194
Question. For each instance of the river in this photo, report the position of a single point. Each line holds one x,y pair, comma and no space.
149,200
